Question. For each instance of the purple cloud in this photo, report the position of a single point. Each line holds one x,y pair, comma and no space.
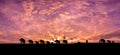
79,19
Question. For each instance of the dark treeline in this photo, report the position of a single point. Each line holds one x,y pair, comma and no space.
23,41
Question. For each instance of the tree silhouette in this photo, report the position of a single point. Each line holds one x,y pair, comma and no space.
47,42
86,41
51,43
22,41
36,42
108,41
57,41
30,41
42,42
65,42
113,41
102,41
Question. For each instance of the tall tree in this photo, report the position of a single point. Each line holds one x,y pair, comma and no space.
22,40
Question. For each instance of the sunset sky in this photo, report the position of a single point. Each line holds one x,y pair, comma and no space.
77,20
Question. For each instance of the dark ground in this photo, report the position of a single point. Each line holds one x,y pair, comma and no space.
60,46
61,49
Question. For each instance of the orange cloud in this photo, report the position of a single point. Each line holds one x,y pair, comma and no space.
1,33
51,10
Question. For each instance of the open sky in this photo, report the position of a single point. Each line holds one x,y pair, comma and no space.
77,20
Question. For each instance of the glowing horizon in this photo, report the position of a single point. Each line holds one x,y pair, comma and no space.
77,20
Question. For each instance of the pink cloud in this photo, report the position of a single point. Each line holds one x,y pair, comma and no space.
79,19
